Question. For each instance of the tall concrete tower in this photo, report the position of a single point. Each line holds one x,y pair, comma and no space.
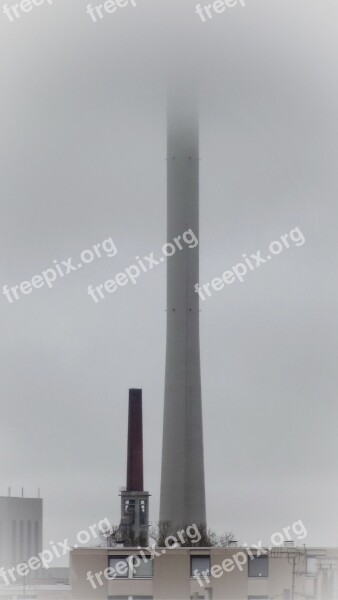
182,480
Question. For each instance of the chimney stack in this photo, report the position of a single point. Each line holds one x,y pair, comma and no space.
135,443
134,526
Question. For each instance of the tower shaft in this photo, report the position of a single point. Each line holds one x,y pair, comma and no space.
182,481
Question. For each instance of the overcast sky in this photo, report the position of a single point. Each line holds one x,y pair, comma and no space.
83,148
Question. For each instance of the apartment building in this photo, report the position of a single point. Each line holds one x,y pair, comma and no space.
234,573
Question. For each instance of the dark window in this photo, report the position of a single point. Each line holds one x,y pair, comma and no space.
29,538
36,540
22,549
144,569
14,541
258,567
129,511
142,512
120,565
201,564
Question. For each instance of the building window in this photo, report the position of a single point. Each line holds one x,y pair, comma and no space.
258,566
201,564
29,538
21,547
142,512
126,568
129,511
14,540
36,538
120,565
311,566
144,569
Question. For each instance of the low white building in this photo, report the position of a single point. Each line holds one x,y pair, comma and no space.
234,573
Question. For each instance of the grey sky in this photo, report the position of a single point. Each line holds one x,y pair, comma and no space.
82,159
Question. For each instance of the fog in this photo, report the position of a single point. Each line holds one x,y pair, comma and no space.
83,148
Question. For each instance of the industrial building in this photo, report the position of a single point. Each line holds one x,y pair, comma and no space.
21,539
21,529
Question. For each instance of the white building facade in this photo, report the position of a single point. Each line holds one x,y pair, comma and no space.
20,529
204,573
